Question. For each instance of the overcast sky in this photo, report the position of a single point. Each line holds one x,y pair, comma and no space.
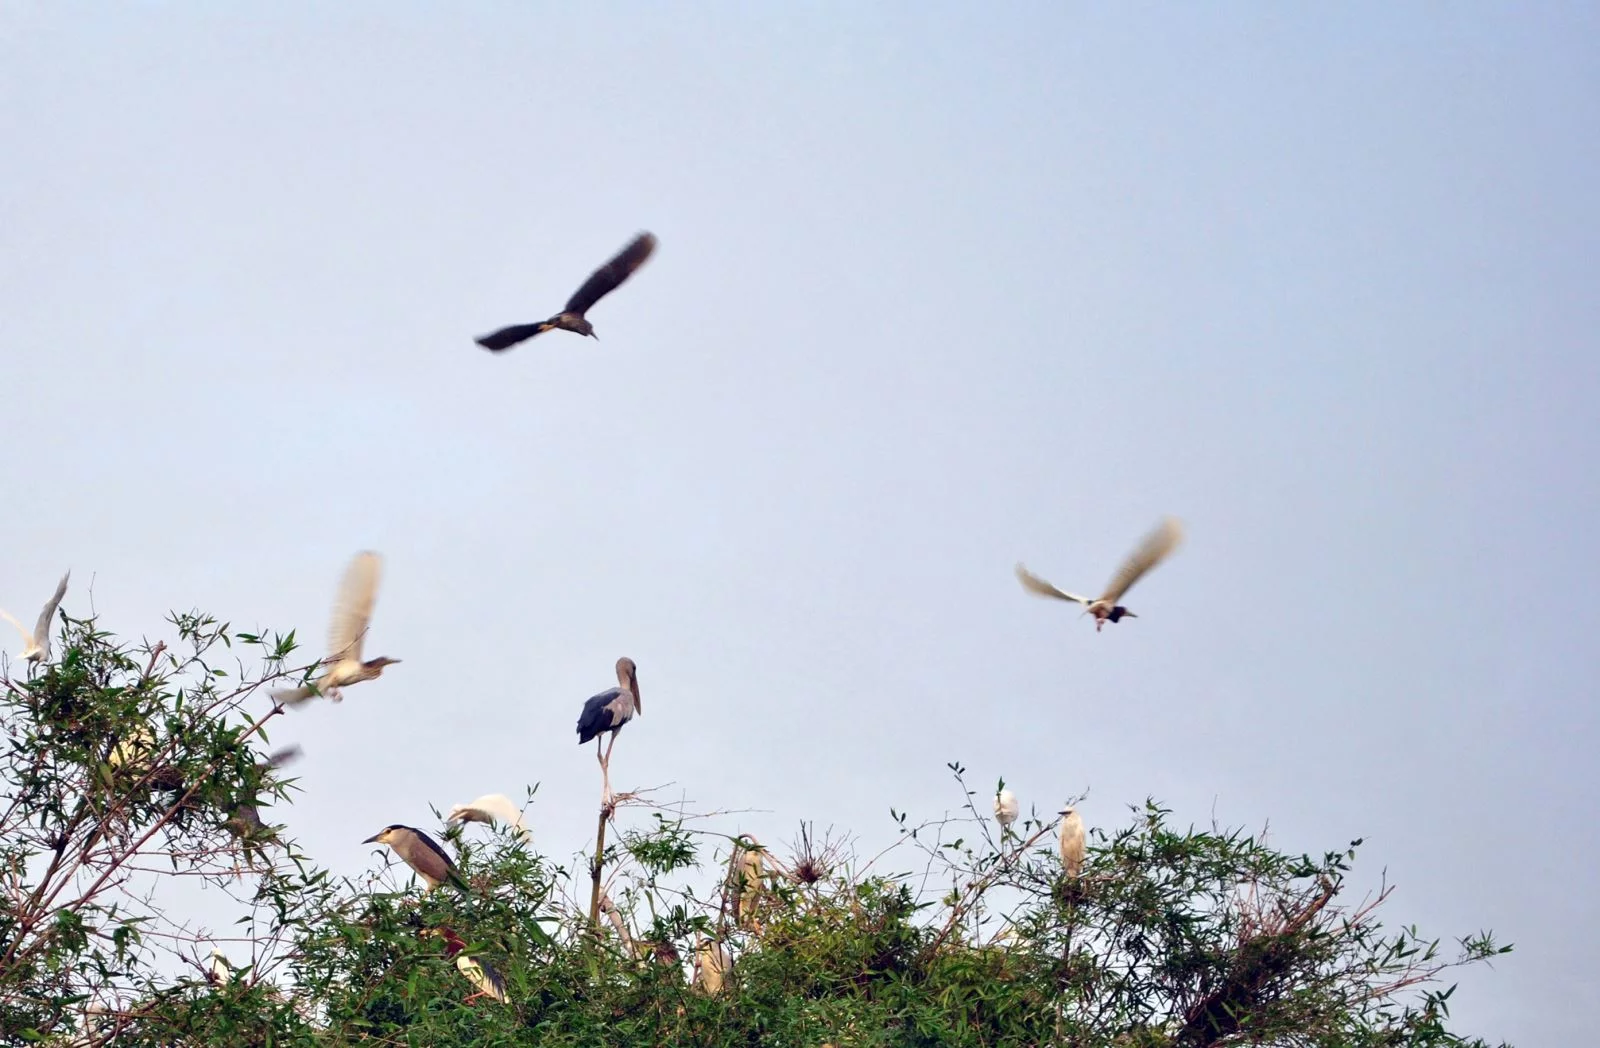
940,287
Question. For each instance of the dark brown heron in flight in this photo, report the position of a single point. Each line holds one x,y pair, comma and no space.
609,711
601,283
1152,551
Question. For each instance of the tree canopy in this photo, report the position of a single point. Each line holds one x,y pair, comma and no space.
134,769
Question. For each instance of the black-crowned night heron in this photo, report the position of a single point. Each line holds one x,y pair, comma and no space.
609,711
420,852
352,612
36,645
1152,551
492,808
480,973
571,318
1071,841
1005,809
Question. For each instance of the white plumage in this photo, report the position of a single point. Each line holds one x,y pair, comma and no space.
711,966
36,645
1005,808
352,614
1154,548
1071,842
494,809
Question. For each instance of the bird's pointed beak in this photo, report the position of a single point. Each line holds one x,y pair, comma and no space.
1129,615
594,336
374,838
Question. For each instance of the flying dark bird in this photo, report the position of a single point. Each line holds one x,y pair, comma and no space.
1152,551
609,711
421,853
601,283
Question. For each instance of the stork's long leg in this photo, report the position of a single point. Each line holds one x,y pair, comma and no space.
605,770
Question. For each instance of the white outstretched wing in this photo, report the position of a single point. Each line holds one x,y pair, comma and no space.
1150,552
1039,587
352,609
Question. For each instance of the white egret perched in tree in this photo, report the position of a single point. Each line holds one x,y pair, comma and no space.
492,808
1071,841
609,711
711,966
221,973
1005,809
1152,551
746,881
352,611
36,645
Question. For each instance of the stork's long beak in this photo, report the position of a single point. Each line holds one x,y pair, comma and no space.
633,686
1128,614
594,336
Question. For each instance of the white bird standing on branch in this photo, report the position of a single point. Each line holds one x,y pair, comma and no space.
1152,551
1005,809
1071,841
352,611
36,645
492,808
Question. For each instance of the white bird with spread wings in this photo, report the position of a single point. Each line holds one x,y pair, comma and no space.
36,645
352,611
1152,551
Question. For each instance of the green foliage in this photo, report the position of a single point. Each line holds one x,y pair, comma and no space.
131,771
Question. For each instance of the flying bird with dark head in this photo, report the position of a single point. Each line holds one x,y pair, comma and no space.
1152,551
601,283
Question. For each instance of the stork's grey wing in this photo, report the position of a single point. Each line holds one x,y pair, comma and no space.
605,279
352,609
1035,585
41,632
1152,551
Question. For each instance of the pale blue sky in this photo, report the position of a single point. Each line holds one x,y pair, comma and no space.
939,287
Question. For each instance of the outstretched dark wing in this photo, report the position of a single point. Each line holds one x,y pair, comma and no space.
507,337
605,279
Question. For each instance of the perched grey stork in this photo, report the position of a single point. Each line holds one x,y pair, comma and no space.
352,612
420,852
36,645
1071,842
1005,809
487,981
609,711
1152,551
601,283
491,808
